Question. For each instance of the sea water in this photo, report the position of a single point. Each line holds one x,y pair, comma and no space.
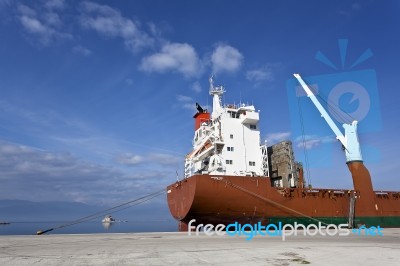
91,227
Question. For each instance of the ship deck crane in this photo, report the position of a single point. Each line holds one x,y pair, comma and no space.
361,178
350,139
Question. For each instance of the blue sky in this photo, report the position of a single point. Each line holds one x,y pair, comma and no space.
97,97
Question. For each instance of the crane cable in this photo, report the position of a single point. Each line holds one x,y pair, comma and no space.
334,109
304,142
114,209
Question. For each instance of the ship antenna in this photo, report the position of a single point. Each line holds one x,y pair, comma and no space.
211,80
177,176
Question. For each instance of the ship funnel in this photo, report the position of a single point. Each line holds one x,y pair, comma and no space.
200,117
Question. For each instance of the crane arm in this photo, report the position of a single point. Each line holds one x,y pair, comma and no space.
350,139
322,110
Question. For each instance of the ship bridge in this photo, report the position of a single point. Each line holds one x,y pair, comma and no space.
228,142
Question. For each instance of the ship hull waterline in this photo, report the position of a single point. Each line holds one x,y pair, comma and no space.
228,199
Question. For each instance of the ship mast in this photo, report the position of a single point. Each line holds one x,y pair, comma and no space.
216,92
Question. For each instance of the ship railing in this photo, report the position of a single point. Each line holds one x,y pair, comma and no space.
381,193
232,106
338,192
319,193
386,192
312,190
387,195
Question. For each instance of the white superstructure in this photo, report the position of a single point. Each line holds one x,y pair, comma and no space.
228,142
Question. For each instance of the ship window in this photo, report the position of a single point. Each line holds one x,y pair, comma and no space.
232,114
230,148
252,163
253,127
231,136
229,162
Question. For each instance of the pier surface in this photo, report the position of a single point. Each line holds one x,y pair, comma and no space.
181,249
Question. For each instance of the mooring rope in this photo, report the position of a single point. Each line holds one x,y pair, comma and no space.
270,201
114,209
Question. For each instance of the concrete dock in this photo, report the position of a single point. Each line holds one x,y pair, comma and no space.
181,249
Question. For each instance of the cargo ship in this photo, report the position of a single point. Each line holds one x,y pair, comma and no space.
230,176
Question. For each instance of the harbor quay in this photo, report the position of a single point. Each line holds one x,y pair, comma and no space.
182,249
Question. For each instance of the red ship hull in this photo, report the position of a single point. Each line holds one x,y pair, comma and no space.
229,199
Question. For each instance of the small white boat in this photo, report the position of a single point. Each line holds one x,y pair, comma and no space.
108,219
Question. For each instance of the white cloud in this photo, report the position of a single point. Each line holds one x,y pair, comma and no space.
260,74
183,98
109,22
226,58
356,6
164,159
129,81
273,138
26,11
189,106
5,2
52,19
35,26
82,50
45,26
179,57
350,10
196,87
45,120
129,159
55,4
186,102
31,174
313,141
